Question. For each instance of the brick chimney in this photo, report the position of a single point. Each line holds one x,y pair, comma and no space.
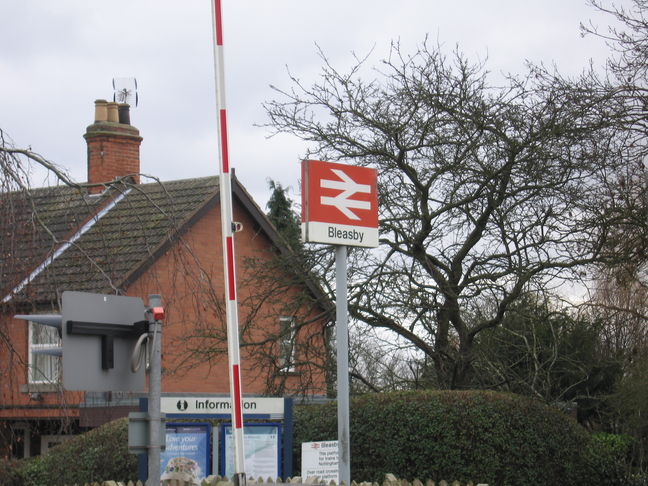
113,145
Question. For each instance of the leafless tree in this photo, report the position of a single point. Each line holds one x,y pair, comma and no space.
483,188
627,38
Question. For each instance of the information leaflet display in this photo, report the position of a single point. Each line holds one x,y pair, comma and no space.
262,443
186,457
320,460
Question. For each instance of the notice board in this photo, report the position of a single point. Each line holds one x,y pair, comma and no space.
262,443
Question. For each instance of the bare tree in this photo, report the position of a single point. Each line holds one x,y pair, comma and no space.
379,363
547,349
483,188
627,38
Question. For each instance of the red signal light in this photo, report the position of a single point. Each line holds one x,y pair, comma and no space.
158,313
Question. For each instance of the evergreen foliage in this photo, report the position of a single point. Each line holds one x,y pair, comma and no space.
10,473
609,454
477,436
547,351
96,456
281,214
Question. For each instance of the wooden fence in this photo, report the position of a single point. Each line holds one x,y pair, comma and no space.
390,480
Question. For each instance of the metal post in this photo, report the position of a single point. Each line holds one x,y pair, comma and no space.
227,230
155,391
342,336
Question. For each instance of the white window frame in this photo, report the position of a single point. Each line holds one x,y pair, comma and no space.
49,441
287,347
36,376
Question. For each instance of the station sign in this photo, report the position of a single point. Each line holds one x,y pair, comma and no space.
339,204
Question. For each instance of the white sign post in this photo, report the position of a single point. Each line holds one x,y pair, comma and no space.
340,207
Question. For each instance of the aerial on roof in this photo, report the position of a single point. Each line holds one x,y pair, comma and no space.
61,238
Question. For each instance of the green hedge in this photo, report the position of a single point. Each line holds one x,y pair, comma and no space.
96,456
474,436
10,472
495,438
610,456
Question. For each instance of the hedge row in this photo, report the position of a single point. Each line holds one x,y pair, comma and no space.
474,436
478,436
96,456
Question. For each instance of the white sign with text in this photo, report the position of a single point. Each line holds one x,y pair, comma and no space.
197,405
320,460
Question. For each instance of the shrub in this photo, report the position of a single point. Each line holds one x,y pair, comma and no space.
96,456
474,436
9,473
609,456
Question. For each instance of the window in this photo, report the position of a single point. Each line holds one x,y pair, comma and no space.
287,344
20,440
43,368
49,441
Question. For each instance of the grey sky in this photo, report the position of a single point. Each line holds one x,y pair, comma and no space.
58,57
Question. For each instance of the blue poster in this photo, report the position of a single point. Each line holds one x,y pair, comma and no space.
187,453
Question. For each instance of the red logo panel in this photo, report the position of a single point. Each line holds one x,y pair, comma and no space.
339,194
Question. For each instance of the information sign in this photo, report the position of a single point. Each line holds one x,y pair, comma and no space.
320,460
220,405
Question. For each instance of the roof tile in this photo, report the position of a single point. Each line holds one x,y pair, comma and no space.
33,226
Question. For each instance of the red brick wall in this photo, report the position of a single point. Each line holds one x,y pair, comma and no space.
189,307
113,151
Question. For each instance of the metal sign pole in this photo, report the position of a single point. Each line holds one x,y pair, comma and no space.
155,392
227,229
352,191
342,336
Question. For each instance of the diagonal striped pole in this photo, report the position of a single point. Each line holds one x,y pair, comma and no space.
227,227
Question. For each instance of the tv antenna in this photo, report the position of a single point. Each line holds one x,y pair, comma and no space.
125,90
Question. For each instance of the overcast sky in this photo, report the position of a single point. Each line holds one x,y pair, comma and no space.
57,57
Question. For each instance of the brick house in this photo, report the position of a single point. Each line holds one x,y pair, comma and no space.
136,238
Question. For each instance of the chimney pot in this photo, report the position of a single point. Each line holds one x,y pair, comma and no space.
101,111
113,112
124,113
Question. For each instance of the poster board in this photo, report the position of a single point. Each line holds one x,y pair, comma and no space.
262,443
320,460
187,454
